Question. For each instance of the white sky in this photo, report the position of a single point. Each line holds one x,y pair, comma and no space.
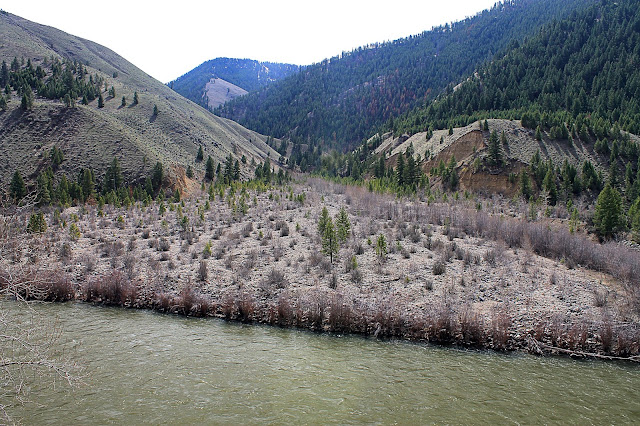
167,39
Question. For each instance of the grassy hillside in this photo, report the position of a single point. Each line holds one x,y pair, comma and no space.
91,136
339,101
246,74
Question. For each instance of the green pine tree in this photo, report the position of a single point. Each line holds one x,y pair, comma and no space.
343,225
17,188
329,240
608,212
209,169
322,221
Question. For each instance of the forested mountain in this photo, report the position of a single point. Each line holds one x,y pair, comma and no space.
247,74
582,70
339,101
64,92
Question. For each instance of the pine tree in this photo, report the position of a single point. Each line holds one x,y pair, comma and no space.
209,169
549,184
322,221
400,170
155,110
100,101
157,175
329,240
124,102
495,151
486,125
525,185
17,188
200,155
608,212
538,133
190,172
343,225
113,177
27,99
43,196
3,103
88,184
236,170
135,98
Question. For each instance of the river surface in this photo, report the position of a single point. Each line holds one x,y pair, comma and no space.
147,368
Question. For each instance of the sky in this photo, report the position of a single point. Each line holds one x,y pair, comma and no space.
167,39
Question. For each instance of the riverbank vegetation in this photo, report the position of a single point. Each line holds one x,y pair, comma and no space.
444,268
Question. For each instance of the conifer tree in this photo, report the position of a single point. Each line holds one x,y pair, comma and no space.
190,172
329,240
88,184
322,221
209,173
200,155
17,188
100,101
124,102
3,103
343,225
113,176
135,98
549,184
400,173
495,151
157,174
155,110
608,212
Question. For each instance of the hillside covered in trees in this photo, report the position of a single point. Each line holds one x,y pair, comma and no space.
247,74
339,101
582,70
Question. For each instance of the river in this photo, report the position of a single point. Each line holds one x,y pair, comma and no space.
146,368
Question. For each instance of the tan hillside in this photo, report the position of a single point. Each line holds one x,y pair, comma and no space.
219,91
469,143
91,136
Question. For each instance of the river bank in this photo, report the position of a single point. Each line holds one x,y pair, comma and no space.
467,272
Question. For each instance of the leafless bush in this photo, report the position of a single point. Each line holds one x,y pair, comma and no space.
600,298
246,308
163,244
439,267
471,327
65,253
501,322
113,288
129,261
203,272
277,251
146,233
276,279
247,229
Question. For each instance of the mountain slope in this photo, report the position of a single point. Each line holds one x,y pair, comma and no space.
91,136
247,74
581,70
340,100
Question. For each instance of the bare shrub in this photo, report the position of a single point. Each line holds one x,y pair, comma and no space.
471,327
163,244
247,229
439,268
490,256
246,308
276,279
600,298
113,288
203,272
129,261
501,322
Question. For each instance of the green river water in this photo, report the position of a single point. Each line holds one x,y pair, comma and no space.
146,368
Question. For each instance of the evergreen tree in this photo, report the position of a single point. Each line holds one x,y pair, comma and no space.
43,196
100,101
400,173
200,155
486,126
343,225
157,174
135,98
155,110
608,212
549,184
209,173
124,102
538,133
189,172
88,183
495,151
17,188
113,177
634,220
525,185
322,221
27,99
4,74
236,170
329,240
3,103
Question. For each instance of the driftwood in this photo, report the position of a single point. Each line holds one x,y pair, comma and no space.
540,348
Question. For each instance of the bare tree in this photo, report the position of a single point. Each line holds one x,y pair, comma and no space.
29,342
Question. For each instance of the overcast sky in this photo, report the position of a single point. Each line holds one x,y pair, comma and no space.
167,39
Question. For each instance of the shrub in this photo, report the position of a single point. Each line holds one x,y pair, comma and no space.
439,268
203,272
